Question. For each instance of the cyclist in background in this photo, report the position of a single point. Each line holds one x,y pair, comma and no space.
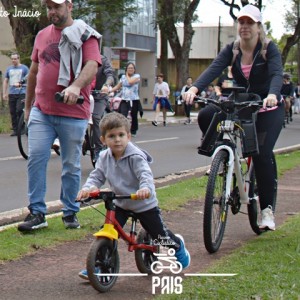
257,75
287,91
103,82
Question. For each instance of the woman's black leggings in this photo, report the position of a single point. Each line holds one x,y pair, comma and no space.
187,109
125,107
268,127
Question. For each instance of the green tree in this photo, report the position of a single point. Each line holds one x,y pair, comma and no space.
24,30
292,44
104,15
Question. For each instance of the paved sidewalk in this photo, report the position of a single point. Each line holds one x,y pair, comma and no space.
171,117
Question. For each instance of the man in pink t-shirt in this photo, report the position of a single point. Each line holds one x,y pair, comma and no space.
48,119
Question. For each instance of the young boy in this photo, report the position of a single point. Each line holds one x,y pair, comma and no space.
126,169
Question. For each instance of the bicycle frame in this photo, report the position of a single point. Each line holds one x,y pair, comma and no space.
113,230
234,163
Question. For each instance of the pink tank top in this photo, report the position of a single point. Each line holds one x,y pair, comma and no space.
246,70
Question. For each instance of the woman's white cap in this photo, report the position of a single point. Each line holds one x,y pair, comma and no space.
252,12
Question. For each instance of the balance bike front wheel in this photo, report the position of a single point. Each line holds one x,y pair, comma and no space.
103,258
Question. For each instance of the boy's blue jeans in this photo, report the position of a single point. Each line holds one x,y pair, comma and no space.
42,130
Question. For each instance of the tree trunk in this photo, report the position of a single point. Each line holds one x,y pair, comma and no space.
163,54
290,42
181,52
24,29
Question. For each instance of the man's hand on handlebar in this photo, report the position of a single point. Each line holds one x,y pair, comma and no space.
71,95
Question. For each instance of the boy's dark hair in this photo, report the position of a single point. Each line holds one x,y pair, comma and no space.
113,120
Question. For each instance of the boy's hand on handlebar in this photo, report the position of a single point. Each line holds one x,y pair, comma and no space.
143,193
85,193
82,194
270,101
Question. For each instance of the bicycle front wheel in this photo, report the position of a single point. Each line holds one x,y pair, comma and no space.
22,135
215,206
103,258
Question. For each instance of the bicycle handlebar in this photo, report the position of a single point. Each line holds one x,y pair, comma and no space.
59,97
107,195
256,103
99,93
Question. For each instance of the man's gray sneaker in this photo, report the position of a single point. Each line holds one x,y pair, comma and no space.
71,222
33,222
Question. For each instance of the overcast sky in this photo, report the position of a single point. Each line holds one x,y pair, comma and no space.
210,10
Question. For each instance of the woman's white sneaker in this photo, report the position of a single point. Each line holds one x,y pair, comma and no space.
267,219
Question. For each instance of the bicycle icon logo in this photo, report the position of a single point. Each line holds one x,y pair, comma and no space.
174,266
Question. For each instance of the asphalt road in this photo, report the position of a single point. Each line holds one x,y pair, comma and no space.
174,149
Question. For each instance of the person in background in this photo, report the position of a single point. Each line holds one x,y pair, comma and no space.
161,93
210,91
129,85
126,168
187,107
14,89
287,91
297,99
102,85
56,68
257,75
225,81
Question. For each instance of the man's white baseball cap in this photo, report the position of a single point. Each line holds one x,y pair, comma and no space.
250,11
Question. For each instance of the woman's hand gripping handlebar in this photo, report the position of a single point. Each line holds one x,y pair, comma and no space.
60,97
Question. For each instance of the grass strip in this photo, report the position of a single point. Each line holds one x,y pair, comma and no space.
15,244
267,267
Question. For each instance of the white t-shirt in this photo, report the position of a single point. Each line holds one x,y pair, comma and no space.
161,89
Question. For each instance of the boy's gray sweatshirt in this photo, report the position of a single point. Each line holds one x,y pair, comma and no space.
125,176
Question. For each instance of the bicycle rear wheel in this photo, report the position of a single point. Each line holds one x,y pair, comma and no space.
88,144
103,257
144,258
92,146
215,206
253,206
22,135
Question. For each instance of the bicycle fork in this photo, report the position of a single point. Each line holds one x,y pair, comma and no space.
234,166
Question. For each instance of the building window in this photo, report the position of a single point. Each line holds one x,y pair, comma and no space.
144,22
